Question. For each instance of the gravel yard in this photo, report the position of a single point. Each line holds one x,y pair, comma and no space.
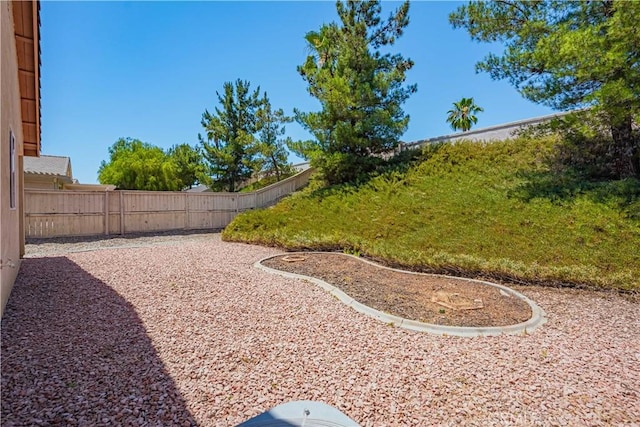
182,330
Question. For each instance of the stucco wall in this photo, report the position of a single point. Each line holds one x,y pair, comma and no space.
45,182
10,119
491,133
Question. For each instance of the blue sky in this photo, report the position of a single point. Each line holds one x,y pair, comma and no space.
148,70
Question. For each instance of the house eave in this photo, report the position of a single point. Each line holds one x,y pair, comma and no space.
26,18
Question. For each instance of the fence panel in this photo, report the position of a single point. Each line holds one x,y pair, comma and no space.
153,211
51,213
58,213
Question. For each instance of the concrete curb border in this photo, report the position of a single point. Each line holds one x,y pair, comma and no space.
538,317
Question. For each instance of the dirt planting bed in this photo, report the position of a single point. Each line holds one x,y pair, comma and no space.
426,298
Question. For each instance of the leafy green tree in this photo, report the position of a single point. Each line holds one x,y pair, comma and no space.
360,90
272,149
463,114
137,165
189,164
568,55
230,146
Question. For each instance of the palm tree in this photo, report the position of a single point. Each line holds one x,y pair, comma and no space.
318,47
462,116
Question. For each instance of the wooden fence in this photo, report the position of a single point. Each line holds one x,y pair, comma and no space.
59,213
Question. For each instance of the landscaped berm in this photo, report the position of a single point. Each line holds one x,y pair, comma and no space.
498,211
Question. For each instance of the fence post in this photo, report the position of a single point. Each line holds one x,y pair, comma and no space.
121,212
186,210
106,213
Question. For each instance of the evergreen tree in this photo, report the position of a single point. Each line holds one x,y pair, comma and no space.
230,146
568,55
272,150
189,164
360,89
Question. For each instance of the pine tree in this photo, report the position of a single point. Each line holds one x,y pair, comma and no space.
568,55
360,89
230,146
189,164
272,151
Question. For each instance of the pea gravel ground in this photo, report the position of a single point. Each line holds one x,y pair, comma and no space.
182,330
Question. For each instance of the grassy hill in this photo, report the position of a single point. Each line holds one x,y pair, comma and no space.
492,210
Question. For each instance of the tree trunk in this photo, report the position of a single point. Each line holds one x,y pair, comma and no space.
627,144
275,166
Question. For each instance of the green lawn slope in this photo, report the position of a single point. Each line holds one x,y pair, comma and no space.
492,210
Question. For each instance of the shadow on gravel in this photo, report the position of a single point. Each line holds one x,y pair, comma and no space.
74,352
128,236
